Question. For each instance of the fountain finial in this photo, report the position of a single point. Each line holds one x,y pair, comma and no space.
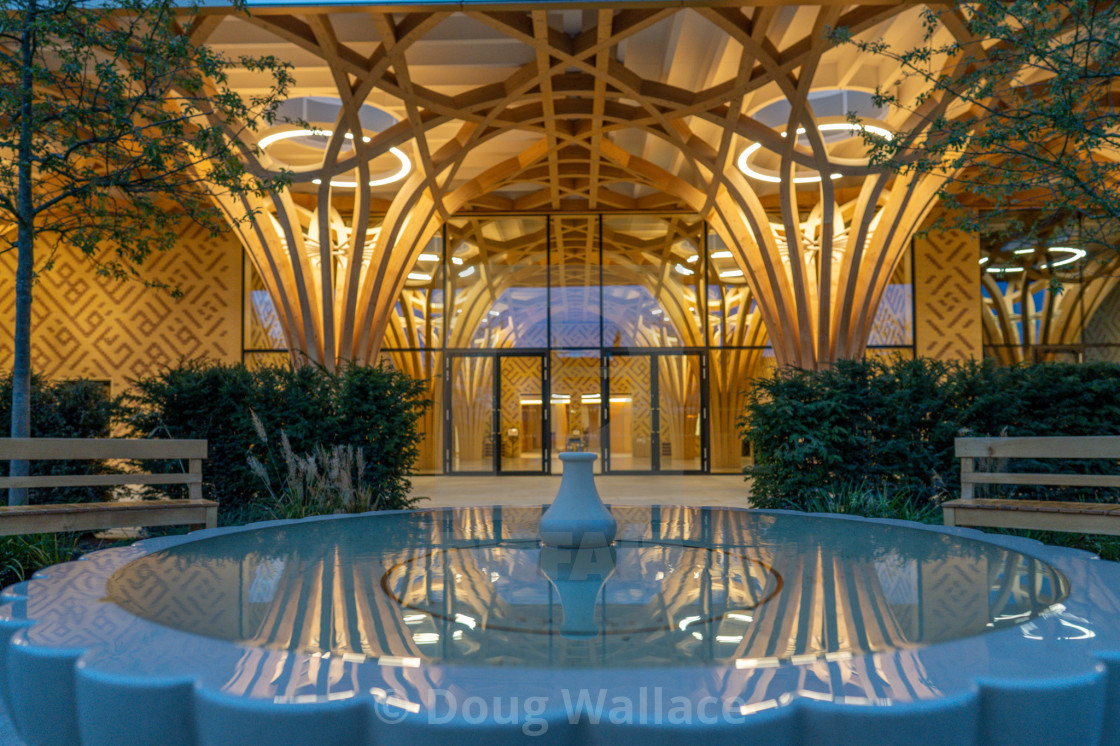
577,517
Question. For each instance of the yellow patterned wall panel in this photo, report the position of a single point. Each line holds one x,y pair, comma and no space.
86,326
947,324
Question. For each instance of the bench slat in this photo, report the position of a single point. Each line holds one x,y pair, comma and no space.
1035,506
32,519
1102,446
997,513
1058,480
97,480
65,449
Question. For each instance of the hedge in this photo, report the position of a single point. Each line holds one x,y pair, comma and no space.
64,409
374,408
889,423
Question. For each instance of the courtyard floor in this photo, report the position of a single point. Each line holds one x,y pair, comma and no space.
717,490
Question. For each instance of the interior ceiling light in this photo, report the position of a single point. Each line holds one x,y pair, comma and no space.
419,276
721,255
1071,255
456,260
683,270
428,258
744,157
692,259
467,272
732,273
406,164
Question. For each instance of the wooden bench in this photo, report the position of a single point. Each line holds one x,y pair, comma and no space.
1089,518
33,519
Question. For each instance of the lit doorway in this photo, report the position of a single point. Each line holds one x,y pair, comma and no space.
655,419
495,417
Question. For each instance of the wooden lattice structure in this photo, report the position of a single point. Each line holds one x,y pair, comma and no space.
634,108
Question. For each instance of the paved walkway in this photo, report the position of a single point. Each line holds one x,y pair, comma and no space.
724,490
717,490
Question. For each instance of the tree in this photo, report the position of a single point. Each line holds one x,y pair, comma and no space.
116,128
1033,120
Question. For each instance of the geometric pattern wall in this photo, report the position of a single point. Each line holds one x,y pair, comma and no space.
87,326
947,296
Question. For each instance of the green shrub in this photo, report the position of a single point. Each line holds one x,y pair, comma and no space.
375,409
871,502
22,556
64,409
889,423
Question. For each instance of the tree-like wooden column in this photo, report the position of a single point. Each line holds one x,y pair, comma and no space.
817,268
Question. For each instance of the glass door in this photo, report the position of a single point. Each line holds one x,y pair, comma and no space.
655,419
469,413
629,415
682,430
495,420
523,415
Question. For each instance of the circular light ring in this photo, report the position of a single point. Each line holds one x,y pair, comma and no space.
744,157
406,163
1072,255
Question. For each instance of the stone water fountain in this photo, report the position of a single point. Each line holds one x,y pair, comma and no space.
493,625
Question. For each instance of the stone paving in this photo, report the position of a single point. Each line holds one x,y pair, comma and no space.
717,490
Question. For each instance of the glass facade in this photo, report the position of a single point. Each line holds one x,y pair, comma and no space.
635,337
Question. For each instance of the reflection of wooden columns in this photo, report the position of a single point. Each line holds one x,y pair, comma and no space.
730,373
1055,320
472,405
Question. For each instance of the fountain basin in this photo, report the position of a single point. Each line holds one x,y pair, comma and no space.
422,626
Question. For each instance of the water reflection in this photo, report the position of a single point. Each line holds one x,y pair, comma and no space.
681,586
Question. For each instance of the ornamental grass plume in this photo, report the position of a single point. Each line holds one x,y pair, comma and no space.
326,481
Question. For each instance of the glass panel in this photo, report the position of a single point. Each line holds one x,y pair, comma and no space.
255,360
417,320
631,413
424,365
263,330
730,375
574,408
678,401
472,410
522,428
499,283
906,353
893,325
733,318
651,275
574,277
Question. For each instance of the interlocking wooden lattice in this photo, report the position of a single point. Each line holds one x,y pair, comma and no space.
581,115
